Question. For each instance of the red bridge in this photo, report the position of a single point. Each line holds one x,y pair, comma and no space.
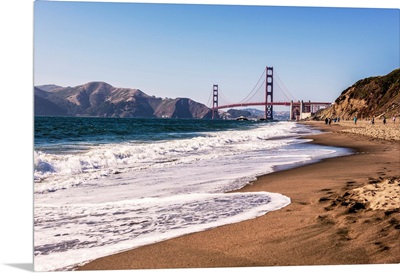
298,109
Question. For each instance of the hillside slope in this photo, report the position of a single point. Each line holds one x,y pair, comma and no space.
370,97
103,100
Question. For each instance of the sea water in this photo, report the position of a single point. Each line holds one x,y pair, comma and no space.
105,185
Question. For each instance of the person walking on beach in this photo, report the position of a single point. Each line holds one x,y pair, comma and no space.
355,119
384,120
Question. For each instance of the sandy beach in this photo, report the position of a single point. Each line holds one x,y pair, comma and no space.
344,211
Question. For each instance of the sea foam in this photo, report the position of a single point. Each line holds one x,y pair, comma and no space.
82,232
61,171
113,197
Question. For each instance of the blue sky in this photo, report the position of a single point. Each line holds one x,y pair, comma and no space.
172,50
356,55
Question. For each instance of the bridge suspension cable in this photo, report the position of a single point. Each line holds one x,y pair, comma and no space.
250,95
209,99
287,90
222,95
284,94
256,92
268,82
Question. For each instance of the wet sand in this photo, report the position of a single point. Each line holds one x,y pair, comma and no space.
344,211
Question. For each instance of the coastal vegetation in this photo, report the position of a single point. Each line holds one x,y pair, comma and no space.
376,97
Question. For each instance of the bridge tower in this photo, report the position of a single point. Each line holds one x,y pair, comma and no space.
269,93
215,102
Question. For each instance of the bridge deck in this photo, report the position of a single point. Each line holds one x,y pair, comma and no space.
297,103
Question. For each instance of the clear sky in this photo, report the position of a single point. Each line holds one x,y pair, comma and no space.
175,50
355,44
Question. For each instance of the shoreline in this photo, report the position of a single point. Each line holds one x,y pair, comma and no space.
325,224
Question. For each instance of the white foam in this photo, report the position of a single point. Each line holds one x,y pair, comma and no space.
120,196
77,233
61,171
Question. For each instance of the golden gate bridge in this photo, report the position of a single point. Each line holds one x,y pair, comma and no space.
263,94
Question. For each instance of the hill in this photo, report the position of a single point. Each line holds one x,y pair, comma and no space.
103,100
370,97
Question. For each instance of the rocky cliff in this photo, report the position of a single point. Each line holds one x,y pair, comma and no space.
102,99
370,97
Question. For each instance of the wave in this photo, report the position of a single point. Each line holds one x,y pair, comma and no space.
64,170
113,197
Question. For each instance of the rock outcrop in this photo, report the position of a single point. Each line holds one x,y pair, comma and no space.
370,97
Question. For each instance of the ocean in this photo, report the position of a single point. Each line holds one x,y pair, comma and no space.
105,185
